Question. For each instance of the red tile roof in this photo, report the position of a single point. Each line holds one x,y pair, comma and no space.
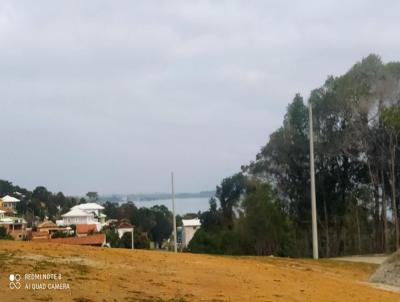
97,239
124,223
85,228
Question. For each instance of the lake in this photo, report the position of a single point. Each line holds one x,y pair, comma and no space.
182,205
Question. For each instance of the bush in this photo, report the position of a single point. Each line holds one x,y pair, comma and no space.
4,234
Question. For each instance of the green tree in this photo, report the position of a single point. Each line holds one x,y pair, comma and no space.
163,227
92,196
228,194
267,228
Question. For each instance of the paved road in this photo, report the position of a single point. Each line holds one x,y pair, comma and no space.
376,259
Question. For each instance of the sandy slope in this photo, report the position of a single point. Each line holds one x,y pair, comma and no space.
96,274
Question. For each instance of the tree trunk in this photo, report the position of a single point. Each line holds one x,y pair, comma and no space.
377,226
358,231
393,187
327,251
375,198
384,215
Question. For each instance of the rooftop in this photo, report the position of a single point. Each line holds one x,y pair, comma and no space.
88,206
191,222
9,198
124,224
76,213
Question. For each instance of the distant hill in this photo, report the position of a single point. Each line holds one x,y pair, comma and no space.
154,196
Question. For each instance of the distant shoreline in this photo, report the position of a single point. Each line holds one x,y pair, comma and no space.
154,196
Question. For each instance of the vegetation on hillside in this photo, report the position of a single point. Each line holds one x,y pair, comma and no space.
151,224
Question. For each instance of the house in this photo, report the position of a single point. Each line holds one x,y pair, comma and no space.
124,226
15,226
77,216
85,229
50,228
86,213
188,229
8,211
90,208
9,202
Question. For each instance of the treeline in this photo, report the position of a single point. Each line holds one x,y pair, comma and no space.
266,208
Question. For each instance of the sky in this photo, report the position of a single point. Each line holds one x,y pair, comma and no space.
111,96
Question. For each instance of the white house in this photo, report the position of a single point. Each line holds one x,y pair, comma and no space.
86,213
77,216
89,208
9,202
189,227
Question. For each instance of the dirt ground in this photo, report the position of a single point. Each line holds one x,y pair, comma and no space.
376,259
110,275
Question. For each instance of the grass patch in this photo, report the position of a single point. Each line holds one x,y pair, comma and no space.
42,265
153,299
4,258
82,299
82,269
47,298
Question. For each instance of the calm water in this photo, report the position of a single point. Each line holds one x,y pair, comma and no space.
182,205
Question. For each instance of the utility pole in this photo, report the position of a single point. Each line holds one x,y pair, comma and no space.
173,211
312,176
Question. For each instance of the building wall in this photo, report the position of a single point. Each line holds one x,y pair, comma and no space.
122,231
17,230
11,205
78,220
188,233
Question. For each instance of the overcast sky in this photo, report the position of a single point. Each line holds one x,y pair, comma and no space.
111,96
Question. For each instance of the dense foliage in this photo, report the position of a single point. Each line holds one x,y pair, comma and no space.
356,135
257,224
151,224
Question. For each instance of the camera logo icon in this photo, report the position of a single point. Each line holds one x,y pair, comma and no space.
15,281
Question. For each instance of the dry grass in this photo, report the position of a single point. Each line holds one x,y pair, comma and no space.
112,275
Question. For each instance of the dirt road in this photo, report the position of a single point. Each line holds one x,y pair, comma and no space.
375,259
95,274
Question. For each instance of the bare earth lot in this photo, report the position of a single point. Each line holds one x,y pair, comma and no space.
96,274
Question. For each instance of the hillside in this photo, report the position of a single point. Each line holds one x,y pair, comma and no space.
95,274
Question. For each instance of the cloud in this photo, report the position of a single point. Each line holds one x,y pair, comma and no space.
112,96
